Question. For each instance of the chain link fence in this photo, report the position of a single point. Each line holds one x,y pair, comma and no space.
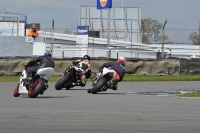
173,35
180,36
178,43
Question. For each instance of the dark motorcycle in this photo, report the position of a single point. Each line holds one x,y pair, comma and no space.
69,78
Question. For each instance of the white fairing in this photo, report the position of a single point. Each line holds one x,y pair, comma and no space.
22,88
45,73
106,70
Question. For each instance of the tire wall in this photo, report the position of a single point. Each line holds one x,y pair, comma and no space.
14,66
190,66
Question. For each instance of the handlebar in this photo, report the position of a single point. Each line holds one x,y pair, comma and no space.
75,67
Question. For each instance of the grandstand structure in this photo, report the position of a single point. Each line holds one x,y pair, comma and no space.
12,24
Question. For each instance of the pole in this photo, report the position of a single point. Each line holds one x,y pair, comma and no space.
131,38
108,36
122,14
92,40
25,25
199,38
199,33
163,38
85,15
52,38
17,25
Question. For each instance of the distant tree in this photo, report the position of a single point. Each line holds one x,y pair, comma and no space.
169,42
69,31
194,37
151,29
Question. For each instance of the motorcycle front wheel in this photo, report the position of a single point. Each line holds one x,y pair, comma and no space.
15,92
97,87
38,87
62,81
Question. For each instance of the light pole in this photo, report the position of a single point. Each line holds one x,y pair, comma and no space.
199,37
163,38
122,14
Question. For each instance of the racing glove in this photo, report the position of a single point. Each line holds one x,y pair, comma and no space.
81,71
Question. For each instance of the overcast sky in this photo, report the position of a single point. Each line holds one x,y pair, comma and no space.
179,13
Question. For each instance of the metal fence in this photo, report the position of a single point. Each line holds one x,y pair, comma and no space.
177,44
174,35
70,51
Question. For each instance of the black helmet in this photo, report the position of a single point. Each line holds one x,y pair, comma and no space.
86,57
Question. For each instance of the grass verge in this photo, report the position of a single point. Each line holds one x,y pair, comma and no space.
132,78
191,94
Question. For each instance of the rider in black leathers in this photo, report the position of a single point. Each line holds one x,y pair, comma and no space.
39,62
84,71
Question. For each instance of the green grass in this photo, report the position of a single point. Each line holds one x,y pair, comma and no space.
161,78
191,94
131,78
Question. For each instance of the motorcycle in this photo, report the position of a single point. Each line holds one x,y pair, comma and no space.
103,81
35,85
68,78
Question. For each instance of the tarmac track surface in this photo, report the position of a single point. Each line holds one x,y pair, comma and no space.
121,111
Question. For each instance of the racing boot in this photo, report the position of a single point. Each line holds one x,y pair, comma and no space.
82,81
42,92
75,84
78,84
114,87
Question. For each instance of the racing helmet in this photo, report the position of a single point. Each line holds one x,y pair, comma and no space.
47,53
86,57
122,59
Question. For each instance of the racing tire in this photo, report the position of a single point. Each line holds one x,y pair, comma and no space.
15,92
88,91
62,81
97,87
38,87
68,87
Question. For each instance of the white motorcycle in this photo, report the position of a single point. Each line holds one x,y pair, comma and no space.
35,86
103,81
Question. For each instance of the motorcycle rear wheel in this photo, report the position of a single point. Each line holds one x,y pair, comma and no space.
97,87
62,81
38,87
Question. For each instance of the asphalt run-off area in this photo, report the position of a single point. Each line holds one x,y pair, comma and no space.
136,107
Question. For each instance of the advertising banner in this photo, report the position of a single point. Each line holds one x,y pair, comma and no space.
101,4
82,40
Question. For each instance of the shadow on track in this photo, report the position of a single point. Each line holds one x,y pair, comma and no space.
110,94
76,89
44,97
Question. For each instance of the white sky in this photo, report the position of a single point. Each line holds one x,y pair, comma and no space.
179,13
